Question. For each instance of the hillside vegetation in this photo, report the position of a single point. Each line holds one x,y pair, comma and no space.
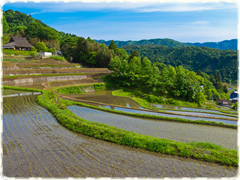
165,41
223,45
20,24
207,60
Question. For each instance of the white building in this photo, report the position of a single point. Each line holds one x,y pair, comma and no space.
45,54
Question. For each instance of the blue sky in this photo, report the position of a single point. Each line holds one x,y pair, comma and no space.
185,22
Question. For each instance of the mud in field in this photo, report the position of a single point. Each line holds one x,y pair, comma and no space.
183,132
34,144
107,98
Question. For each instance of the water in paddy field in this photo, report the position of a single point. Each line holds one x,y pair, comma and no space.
35,145
107,98
166,106
193,117
183,132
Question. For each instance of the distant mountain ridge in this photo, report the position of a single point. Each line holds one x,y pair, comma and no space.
222,45
165,41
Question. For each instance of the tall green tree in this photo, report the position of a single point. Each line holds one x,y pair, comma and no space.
5,25
112,45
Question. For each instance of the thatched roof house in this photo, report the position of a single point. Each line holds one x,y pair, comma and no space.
18,44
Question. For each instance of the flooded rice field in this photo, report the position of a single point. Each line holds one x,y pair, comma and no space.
107,98
35,145
183,132
166,106
166,115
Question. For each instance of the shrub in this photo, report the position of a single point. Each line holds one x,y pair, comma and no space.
34,54
41,47
57,58
33,49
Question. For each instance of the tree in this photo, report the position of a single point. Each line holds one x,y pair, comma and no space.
20,31
134,54
235,105
225,87
5,25
41,47
48,34
33,30
112,45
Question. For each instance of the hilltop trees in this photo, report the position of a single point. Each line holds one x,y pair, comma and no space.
202,59
90,53
156,78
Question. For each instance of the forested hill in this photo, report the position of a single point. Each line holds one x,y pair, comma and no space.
166,42
208,60
223,45
19,24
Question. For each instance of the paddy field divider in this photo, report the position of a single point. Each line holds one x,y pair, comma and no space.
57,106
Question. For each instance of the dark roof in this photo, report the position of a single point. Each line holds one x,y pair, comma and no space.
18,42
223,100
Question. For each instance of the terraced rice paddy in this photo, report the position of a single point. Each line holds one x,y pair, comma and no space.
35,145
165,106
168,115
163,129
107,98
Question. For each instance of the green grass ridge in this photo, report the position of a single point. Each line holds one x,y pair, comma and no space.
22,88
144,103
81,89
203,122
56,106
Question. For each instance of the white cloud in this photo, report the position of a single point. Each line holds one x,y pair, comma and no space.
201,22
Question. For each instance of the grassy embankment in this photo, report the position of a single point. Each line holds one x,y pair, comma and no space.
57,107
16,52
14,60
21,88
80,89
145,103
195,150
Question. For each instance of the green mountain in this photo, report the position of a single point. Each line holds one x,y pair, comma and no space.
208,60
23,25
166,42
223,45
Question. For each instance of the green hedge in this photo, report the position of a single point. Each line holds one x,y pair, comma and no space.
56,106
57,58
